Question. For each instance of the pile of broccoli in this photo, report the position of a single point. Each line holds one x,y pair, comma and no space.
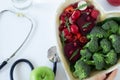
102,50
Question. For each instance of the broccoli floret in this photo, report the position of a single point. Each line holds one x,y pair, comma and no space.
92,45
98,61
82,70
97,32
110,26
106,45
115,39
111,58
86,54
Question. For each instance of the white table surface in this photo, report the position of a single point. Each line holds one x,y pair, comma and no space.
13,31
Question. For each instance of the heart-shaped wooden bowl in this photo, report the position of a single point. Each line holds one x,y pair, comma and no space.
103,16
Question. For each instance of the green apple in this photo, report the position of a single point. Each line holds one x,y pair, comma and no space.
42,73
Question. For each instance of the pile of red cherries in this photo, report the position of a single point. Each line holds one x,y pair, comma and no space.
76,21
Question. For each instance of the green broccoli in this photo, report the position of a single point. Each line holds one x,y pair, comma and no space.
115,39
98,61
111,58
86,54
92,45
106,45
119,30
97,32
82,70
110,26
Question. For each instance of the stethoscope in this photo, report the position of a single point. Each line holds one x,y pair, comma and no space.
52,56
30,31
52,52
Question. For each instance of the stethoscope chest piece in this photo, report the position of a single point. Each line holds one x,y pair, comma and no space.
53,57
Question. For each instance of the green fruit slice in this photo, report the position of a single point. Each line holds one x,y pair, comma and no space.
42,73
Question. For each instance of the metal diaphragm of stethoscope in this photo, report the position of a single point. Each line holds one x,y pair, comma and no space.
26,38
53,57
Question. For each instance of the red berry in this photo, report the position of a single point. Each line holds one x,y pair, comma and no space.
61,27
114,2
78,35
71,20
95,14
66,32
74,29
68,14
64,15
89,10
62,18
69,37
83,39
75,15
69,9
75,5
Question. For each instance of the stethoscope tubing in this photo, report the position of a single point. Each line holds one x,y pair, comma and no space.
31,29
30,65
55,67
17,62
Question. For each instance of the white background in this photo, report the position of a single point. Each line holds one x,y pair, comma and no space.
13,30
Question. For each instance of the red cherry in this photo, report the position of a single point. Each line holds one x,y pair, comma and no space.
68,14
114,2
95,14
89,10
64,15
61,27
69,37
66,32
75,15
62,18
83,39
71,20
69,9
74,29
75,5
78,35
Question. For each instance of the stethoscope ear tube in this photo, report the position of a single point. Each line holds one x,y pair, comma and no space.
31,29
17,62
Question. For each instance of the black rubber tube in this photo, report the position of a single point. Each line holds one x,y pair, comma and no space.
17,62
55,67
3,64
